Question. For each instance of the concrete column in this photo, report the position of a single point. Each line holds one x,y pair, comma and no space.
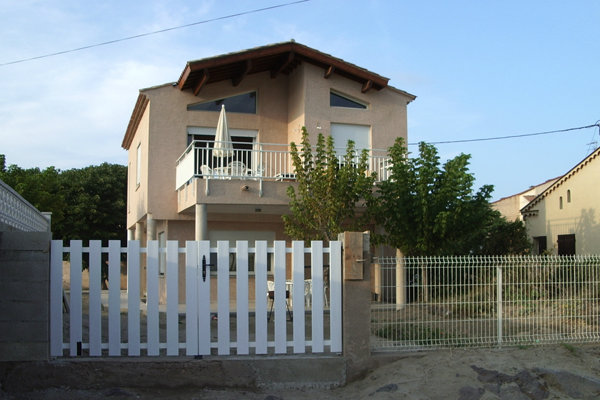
130,234
400,281
139,231
356,305
150,227
201,222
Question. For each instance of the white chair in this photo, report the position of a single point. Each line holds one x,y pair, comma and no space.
307,292
256,173
207,172
237,169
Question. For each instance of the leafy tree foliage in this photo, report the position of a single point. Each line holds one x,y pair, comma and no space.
505,237
431,209
87,203
331,197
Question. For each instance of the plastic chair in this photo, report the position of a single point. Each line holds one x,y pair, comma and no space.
207,172
271,296
237,169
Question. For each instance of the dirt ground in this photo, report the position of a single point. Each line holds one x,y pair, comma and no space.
542,372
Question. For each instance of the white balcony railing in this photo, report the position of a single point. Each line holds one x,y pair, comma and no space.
267,161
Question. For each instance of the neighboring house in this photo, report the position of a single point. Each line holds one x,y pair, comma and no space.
179,190
563,218
510,206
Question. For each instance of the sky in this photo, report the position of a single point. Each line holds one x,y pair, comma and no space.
479,69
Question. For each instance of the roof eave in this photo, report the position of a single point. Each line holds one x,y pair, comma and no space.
134,120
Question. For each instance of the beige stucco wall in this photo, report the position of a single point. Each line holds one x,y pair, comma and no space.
137,199
580,216
510,207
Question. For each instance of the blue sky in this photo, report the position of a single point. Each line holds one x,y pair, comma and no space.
478,69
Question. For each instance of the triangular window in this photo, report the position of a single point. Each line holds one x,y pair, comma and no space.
337,100
242,103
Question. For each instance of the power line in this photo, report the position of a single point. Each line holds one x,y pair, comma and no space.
153,32
597,124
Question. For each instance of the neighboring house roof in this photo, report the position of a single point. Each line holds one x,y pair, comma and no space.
560,181
279,58
528,197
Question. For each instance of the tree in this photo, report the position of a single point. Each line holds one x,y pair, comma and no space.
96,198
429,209
331,197
87,203
505,237
42,189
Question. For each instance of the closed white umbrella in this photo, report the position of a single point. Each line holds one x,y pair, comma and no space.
223,147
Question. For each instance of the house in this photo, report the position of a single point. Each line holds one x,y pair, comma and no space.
510,206
179,190
562,219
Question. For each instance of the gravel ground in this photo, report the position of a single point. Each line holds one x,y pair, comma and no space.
542,372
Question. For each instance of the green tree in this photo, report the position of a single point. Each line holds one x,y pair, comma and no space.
429,209
505,237
43,189
96,197
331,196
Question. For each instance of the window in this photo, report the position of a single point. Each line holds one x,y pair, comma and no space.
566,245
359,134
560,202
138,165
569,196
242,103
337,100
244,141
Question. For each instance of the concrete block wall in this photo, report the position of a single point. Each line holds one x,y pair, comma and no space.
24,295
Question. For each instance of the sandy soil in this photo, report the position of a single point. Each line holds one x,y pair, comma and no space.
552,372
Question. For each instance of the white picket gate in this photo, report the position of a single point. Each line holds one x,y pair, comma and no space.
193,328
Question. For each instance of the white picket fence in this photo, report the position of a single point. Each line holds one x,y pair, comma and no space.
99,330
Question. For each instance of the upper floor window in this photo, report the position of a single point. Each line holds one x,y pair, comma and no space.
242,103
337,100
138,165
560,202
569,196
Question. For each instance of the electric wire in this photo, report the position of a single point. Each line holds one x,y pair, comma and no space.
257,10
597,124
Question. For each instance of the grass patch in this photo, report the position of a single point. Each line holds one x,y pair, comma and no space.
416,333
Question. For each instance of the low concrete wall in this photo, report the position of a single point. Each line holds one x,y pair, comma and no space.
24,295
248,373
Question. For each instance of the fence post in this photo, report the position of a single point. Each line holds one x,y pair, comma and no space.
356,308
499,301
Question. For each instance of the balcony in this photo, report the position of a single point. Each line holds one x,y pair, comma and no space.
252,161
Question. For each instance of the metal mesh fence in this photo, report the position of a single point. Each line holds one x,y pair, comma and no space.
430,302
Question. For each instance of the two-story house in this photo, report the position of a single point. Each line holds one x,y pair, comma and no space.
180,189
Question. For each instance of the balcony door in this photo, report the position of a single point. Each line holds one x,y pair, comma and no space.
244,141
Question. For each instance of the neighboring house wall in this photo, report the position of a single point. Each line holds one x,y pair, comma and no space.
510,207
568,210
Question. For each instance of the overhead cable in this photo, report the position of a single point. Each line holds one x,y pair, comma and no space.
152,33
597,124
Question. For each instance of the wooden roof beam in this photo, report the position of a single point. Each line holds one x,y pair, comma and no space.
284,65
367,86
201,82
329,71
238,79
